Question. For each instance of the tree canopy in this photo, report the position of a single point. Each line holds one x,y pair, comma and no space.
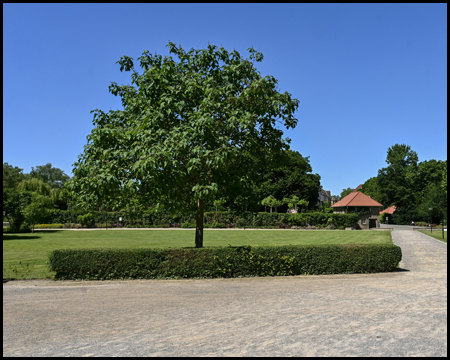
412,186
12,176
47,173
345,192
190,131
293,177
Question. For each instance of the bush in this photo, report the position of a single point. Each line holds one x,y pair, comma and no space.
232,261
24,228
87,220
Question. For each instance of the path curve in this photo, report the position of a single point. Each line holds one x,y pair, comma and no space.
387,314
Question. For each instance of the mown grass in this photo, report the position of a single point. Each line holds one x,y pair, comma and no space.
437,234
25,255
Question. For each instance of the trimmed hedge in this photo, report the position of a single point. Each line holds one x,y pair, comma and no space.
212,219
48,226
215,262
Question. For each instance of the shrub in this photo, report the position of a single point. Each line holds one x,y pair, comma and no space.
87,220
232,261
24,228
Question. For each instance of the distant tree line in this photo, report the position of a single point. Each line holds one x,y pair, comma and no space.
412,186
27,197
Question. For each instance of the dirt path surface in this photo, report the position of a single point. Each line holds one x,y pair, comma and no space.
388,314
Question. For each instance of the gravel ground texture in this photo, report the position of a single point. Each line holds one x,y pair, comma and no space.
403,313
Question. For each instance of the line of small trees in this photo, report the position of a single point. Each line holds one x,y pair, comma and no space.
292,202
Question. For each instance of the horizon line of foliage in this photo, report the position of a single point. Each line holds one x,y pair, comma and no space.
222,262
21,190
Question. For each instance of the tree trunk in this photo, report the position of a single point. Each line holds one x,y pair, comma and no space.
199,225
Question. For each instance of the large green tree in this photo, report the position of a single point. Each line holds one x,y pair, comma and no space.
191,130
293,177
396,180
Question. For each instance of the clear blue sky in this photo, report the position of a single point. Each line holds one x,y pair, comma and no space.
368,76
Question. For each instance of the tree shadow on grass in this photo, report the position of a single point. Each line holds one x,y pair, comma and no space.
19,237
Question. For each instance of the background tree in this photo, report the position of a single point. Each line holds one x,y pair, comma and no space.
292,178
14,201
345,192
191,131
303,204
291,202
37,211
12,176
410,185
371,188
270,202
47,173
396,178
326,207
36,186
219,203
397,182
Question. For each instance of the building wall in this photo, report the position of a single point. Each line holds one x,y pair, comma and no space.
363,220
366,218
324,196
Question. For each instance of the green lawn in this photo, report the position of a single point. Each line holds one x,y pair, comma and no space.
437,234
25,255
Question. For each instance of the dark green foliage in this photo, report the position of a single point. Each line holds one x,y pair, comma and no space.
345,192
317,218
232,261
12,176
14,202
412,186
87,220
53,176
294,177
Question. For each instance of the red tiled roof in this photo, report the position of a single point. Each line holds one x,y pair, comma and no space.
357,198
389,210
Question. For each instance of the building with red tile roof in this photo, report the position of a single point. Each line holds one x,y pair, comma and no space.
357,198
368,209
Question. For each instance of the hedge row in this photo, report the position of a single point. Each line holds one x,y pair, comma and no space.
48,226
222,219
228,262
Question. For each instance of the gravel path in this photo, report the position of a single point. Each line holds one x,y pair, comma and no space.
387,314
